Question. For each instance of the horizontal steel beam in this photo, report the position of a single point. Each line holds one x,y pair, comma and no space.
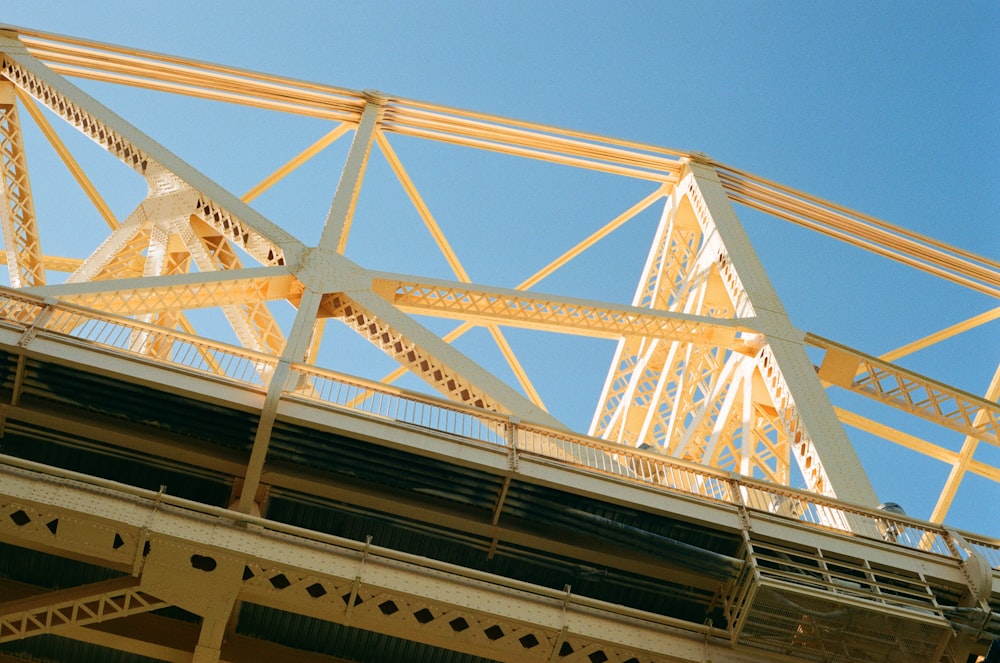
554,313
908,391
325,576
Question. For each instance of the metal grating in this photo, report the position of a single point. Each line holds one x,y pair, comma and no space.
817,606
825,628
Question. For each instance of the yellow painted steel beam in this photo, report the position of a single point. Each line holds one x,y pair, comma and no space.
17,214
53,611
917,444
55,263
456,265
67,158
593,238
109,63
75,57
182,539
337,228
407,352
928,255
259,237
251,320
964,461
558,314
908,391
938,336
429,357
305,155
91,58
562,260
178,292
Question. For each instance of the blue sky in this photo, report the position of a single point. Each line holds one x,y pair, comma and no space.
890,108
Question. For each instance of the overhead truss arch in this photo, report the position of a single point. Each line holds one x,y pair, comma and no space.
708,365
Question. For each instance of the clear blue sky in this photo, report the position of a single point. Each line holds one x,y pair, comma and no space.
890,108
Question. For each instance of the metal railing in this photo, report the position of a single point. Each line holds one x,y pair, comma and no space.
369,398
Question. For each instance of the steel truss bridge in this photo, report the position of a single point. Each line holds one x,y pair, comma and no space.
168,496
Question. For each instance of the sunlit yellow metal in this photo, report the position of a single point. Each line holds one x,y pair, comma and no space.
910,248
709,371
67,158
181,292
296,161
909,391
407,351
251,319
456,266
937,337
552,313
964,460
915,443
17,216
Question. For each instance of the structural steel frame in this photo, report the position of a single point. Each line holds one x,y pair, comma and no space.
711,380
709,366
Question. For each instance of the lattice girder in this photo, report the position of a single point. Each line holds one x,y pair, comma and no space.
54,611
907,390
181,292
260,238
407,352
703,268
560,314
17,216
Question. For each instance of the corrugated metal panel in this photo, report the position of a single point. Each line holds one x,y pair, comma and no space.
383,465
53,648
139,404
93,458
48,571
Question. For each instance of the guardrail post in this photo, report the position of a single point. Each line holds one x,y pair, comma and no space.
47,306
511,437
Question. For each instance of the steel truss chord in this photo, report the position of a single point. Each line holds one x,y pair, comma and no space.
908,391
866,232
52,612
393,333
164,172
179,291
558,314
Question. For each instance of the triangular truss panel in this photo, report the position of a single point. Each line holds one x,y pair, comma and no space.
708,367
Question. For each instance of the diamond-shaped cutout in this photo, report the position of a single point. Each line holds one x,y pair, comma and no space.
315,590
118,542
598,657
424,615
565,650
280,581
247,573
528,641
388,607
53,525
346,598
20,518
494,632
458,624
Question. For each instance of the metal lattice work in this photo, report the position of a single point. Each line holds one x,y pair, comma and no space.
711,412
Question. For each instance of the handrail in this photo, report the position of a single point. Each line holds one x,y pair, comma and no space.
336,390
